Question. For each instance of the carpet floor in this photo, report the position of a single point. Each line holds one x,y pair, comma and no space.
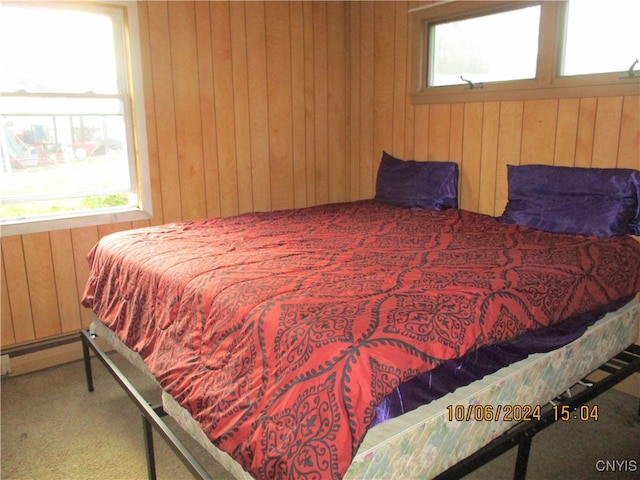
52,428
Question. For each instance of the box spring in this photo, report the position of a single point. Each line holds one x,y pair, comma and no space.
425,442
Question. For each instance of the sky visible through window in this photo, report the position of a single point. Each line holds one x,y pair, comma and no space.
51,50
599,37
496,47
602,36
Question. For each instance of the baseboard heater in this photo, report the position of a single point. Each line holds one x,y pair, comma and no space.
39,345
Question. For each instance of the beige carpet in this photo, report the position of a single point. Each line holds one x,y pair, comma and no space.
52,428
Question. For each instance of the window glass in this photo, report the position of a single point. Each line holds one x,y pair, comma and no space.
489,48
67,140
63,163
50,50
601,37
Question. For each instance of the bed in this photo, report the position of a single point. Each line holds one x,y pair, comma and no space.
280,339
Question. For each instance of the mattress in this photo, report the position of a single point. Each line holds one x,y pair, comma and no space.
281,331
426,441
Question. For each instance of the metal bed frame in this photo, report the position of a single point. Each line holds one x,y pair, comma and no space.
521,435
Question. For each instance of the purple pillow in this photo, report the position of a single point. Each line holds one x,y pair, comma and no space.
588,201
414,184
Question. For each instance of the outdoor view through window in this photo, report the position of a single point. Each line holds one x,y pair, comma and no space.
501,44
464,47
65,145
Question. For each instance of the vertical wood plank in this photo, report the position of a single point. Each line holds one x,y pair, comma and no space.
354,99
7,337
42,284
384,34
207,109
471,155
607,132
336,102
489,156
18,289
629,151
150,114
456,139
309,102
241,106
538,131
259,106
369,159
400,74
567,132
320,100
456,133
225,108
439,131
409,127
509,146
421,137
409,124
277,21
298,98
186,93
65,276
83,240
162,77
586,126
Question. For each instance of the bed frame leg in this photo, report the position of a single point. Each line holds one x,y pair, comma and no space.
148,448
522,460
152,415
87,359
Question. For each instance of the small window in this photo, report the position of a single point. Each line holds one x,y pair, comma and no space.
72,145
499,50
469,50
601,37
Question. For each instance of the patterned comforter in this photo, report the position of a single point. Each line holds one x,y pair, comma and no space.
280,332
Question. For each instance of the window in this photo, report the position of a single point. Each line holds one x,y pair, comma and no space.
73,144
600,40
504,50
461,50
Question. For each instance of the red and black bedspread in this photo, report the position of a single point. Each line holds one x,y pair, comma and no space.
281,331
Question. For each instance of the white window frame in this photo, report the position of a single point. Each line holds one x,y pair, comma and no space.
136,127
548,82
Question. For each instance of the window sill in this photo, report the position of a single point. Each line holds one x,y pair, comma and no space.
563,89
60,223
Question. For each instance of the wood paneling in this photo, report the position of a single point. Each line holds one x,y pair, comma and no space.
186,102
82,240
8,337
337,113
320,107
65,274
629,140
265,105
509,142
207,109
41,278
279,83
17,293
165,115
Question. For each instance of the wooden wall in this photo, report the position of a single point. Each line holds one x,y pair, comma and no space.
482,137
271,105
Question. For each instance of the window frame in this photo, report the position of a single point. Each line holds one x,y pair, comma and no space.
548,82
135,124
